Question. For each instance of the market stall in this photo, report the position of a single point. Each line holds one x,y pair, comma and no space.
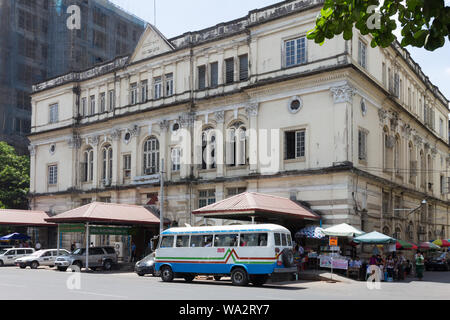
337,254
309,240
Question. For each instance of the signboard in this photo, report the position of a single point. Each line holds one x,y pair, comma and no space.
113,231
325,262
333,241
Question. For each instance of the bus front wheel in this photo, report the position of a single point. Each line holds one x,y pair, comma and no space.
167,274
239,277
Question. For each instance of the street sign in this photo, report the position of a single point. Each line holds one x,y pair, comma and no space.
333,241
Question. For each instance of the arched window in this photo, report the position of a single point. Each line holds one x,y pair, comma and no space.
386,231
423,170
430,173
398,233
236,145
209,149
88,165
151,156
388,149
398,156
412,164
107,164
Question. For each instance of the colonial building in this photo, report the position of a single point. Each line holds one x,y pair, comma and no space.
359,134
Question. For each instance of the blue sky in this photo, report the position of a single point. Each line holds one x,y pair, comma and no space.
175,17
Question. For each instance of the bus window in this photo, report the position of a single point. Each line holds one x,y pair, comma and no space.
167,242
226,240
254,240
283,240
182,241
289,240
201,241
277,239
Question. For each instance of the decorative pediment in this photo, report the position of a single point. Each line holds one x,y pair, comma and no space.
151,43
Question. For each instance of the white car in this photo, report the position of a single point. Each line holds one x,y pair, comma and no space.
41,258
9,256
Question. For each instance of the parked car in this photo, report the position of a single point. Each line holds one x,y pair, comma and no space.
41,258
146,266
9,256
99,257
440,262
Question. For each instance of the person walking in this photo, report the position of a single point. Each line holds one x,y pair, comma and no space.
133,252
419,265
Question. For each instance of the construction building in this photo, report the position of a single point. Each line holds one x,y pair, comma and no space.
36,44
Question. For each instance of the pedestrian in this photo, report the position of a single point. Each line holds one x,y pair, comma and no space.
419,265
133,252
72,247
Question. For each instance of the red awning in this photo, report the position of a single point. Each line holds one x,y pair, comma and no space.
108,213
24,218
256,204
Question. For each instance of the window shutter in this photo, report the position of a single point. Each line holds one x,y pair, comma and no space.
230,143
229,70
241,143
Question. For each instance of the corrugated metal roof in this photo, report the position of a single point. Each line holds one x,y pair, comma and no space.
24,218
253,203
112,213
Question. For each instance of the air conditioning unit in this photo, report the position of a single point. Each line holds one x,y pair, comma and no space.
119,247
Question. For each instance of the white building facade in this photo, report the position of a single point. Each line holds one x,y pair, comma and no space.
359,134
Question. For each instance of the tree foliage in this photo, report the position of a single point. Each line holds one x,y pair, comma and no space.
423,23
14,178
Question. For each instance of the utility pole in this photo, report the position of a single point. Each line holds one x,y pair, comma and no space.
161,200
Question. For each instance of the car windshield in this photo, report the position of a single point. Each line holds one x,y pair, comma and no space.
79,252
2,251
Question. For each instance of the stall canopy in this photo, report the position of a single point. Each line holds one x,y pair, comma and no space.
374,238
311,232
24,218
107,214
342,230
428,246
15,236
442,243
262,207
405,245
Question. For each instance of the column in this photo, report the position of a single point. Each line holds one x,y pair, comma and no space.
116,178
32,149
163,145
220,142
135,152
252,112
96,175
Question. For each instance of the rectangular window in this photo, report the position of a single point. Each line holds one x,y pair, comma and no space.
111,100
235,191
226,240
201,241
157,88
176,159
167,242
243,67
214,70
182,241
53,113
169,84
83,110
295,144
254,240
102,102
383,74
127,166
133,93
52,175
206,197
362,54
144,91
229,71
277,239
362,145
295,51
201,77
92,105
